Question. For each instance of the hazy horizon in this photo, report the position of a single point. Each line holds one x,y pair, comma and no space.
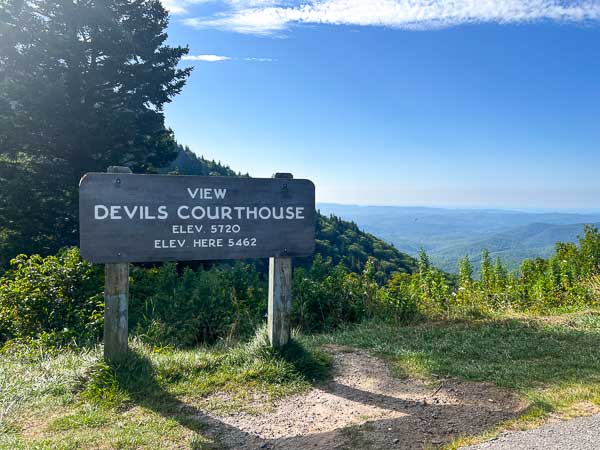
531,210
448,234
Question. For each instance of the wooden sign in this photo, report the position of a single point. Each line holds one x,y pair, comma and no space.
142,218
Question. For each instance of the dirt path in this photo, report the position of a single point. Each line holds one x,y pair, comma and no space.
365,406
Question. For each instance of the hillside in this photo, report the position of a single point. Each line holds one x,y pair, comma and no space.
339,240
449,234
188,163
512,246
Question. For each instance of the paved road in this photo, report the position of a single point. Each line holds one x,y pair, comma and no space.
577,434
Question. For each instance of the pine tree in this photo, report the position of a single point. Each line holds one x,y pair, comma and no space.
465,272
424,263
486,270
82,86
500,275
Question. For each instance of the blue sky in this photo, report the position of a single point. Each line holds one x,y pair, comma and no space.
406,102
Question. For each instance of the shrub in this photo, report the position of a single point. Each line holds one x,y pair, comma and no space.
56,298
196,306
398,302
324,297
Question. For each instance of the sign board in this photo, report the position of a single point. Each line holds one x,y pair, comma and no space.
142,218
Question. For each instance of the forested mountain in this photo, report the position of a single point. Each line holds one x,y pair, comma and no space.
449,234
339,240
344,242
536,240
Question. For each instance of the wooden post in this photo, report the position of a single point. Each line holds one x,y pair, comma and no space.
280,300
280,295
116,301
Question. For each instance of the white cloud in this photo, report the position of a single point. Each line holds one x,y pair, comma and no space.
206,58
181,6
219,58
269,16
255,59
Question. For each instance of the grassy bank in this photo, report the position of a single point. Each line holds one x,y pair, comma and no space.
159,398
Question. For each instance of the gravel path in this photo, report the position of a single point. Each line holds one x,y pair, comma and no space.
367,407
577,434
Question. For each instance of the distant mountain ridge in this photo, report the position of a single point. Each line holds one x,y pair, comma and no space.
339,240
448,234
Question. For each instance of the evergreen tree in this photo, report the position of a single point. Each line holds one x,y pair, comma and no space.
82,86
424,262
500,275
487,273
465,272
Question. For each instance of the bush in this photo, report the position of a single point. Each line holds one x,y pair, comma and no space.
56,298
398,302
326,297
59,300
196,306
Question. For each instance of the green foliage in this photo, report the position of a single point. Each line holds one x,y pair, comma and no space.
82,87
344,243
55,299
568,279
188,163
30,221
320,298
102,387
327,297
431,288
59,299
486,272
399,303
196,306
465,272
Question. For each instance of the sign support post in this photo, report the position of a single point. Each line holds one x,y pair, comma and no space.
280,300
116,302
280,295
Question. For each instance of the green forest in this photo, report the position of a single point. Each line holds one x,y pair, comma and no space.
83,86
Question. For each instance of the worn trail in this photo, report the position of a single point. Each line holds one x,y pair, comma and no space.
366,406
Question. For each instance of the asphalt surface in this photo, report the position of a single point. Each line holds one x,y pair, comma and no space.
578,434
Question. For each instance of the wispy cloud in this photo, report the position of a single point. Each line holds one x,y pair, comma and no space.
206,58
219,58
271,16
182,6
255,59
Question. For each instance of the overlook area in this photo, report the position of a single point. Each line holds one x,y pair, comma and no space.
289,225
